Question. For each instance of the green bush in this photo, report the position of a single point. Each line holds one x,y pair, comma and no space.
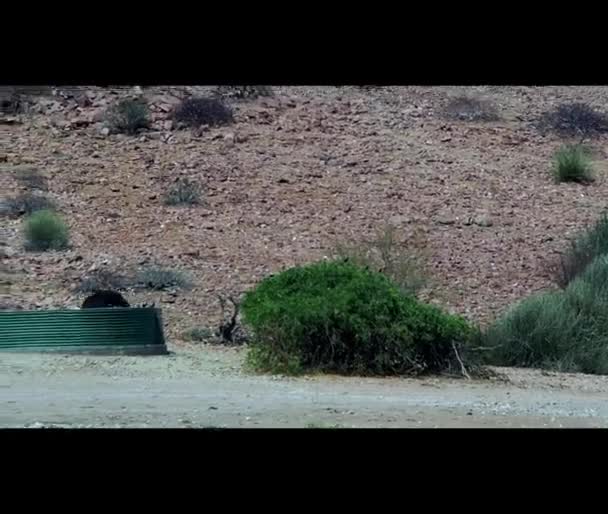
128,116
45,230
564,330
338,317
183,192
583,250
572,164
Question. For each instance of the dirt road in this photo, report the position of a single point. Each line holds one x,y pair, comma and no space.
207,388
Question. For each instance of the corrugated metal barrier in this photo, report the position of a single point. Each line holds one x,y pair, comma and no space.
103,331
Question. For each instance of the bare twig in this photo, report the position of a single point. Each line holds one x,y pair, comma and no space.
462,368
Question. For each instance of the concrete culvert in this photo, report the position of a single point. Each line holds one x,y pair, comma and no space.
101,299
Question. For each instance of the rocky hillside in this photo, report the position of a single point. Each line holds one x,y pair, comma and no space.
294,175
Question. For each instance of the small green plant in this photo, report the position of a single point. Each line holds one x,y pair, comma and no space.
582,251
572,164
197,111
563,331
183,192
128,116
45,230
25,204
159,279
401,263
466,108
338,317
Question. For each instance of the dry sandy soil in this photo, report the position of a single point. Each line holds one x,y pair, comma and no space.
194,388
296,174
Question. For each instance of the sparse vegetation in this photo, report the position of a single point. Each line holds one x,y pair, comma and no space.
183,192
582,251
338,317
128,116
576,119
243,92
385,254
197,111
159,279
572,164
45,230
31,178
466,108
25,204
103,279
561,331
200,335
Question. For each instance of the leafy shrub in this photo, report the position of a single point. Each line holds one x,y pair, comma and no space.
574,119
128,116
386,255
563,331
26,203
465,108
194,112
243,92
583,250
159,279
183,192
45,230
338,317
572,164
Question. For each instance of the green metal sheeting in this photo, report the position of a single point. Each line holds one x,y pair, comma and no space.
104,330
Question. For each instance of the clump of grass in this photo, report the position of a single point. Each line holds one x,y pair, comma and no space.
159,279
467,108
582,251
45,230
25,204
563,331
197,111
243,92
341,318
572,164
183,192
128,116
403,265
576,119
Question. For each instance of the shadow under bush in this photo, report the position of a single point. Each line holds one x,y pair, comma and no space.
563,331
338,317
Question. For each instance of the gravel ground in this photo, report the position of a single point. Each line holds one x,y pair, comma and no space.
208,388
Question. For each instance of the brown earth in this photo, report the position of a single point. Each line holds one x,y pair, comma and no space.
294,175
